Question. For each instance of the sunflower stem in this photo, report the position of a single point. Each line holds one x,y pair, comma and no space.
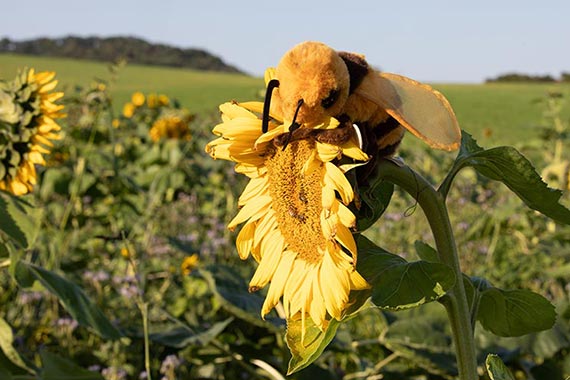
455,302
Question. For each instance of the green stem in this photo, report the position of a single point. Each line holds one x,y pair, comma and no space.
455,302
144,312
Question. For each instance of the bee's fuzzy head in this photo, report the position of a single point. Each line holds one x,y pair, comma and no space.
315,76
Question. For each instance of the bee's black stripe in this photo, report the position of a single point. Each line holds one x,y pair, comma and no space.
357,68
384,128
388,150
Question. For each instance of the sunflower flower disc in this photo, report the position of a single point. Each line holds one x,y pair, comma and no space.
27,126
294,224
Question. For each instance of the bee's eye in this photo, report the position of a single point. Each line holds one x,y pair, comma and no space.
329,101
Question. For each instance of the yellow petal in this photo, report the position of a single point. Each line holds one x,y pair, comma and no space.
357,282
256,107
336,178
345,216
318,310
269,74
255,187
251,211
252,171
344,237
244,241
278,281
351,149
265,225
268,136
233,110
297,276
272,249
328,152
335,286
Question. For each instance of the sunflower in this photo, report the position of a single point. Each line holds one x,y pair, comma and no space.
295,227
171,126
25,138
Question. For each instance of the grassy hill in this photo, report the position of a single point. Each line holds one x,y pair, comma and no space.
509,111
199,91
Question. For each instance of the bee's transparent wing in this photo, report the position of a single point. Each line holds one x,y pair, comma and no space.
419,108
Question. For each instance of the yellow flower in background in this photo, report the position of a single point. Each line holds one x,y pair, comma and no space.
128,110
170,127
163,100
138,99
189,264
24,140
125,252
152,101
295,227
116,123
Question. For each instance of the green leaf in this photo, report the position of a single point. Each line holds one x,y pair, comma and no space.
426,252
423,340
71,296
6,339
18,219
307,348
180,335
398,284
232,292
58,368
507,165
375,196
513,313
496,369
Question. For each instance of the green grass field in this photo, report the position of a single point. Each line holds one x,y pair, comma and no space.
508,111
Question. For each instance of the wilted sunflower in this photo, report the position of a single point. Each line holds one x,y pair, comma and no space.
295,226
27,126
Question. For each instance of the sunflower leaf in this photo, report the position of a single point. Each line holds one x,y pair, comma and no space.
512,313
179,335
426,252
423,341
375,195
307,345
509,166
18,219
72,297
496,369
57,368
232,292
398,284
13,358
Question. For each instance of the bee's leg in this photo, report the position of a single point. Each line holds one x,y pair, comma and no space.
292,129
294,125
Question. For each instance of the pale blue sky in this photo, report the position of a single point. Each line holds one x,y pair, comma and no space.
434,41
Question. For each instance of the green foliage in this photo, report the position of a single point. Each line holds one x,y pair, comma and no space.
397,284
514,312
70,295
19,219
507,165
57,368
112,49
307,342
115,214
516,77
497,369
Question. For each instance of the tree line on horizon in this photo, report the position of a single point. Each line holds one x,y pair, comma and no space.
519,77
111,49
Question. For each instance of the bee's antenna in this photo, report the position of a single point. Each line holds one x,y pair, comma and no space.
265,117
294,125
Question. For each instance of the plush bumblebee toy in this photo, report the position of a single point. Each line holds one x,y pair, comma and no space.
314,82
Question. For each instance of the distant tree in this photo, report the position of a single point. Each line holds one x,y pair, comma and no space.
134,50
517,77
